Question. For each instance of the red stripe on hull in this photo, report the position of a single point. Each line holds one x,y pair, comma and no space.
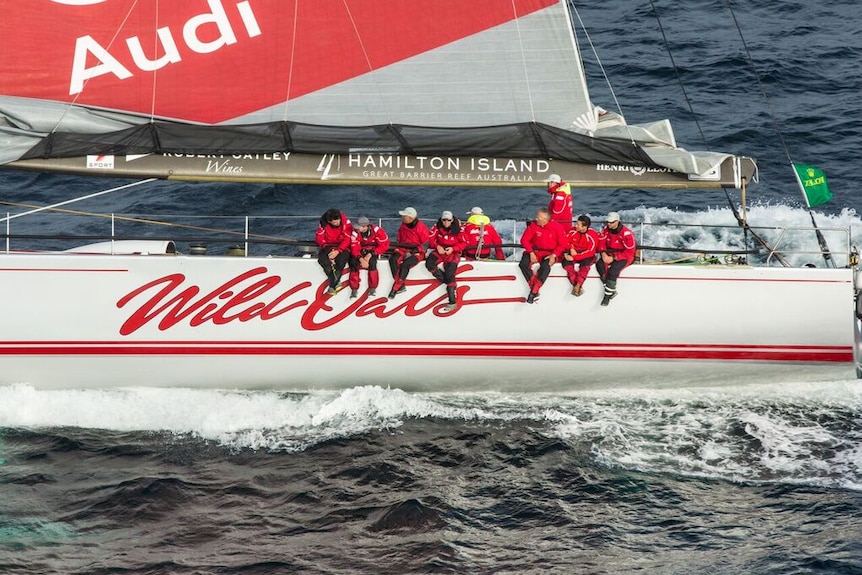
62,270
835,354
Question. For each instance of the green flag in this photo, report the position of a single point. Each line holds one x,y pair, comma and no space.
813,184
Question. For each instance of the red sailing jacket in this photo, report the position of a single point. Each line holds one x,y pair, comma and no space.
415,236
582,246
376,241
490,238
621,245
335,238
544,240
448,238
561,204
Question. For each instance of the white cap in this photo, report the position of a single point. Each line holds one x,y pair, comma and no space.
554,178
612,217
408,212
447,215
362,221
477,211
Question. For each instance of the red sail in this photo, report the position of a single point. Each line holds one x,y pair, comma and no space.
214,60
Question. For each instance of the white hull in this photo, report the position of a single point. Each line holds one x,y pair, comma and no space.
233,322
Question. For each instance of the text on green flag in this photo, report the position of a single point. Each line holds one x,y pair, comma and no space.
813,182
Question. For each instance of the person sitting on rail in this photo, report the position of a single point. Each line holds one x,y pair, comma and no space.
580,253
411,243
367,243
543,242
333,239
481,235
447,242
617,247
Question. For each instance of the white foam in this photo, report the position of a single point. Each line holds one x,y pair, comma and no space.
258,420
787,227
789,432
797,433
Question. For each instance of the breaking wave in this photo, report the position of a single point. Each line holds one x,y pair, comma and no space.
786,433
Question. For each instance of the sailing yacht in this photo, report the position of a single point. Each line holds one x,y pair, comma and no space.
352,92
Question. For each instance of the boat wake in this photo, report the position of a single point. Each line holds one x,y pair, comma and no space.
774,433
785,227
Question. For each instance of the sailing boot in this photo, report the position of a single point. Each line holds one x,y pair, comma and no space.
373,281
333,281
396,288
453,302
530,283
534,291
610,291
578,290
354,293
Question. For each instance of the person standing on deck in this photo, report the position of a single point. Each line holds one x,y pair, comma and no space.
480,234
543,242
582,242
617,248
560,204
412,241
447,242
367,243
333,239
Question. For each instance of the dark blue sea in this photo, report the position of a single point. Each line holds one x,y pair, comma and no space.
734,477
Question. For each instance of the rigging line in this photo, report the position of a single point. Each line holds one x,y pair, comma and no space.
111,43
367,61
73,200
601,68
292,58
132,219
524,61
678,76
156,71
821,240
754,71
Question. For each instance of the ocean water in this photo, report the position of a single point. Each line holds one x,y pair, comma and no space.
741,477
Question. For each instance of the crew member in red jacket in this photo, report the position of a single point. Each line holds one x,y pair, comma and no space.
543,242
617,247
412,241
480,234
333,238
447,241
367,243
561,201
580,253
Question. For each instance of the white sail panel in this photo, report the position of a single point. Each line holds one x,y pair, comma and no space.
527,70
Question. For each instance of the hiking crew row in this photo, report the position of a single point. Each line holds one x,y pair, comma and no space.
545,242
